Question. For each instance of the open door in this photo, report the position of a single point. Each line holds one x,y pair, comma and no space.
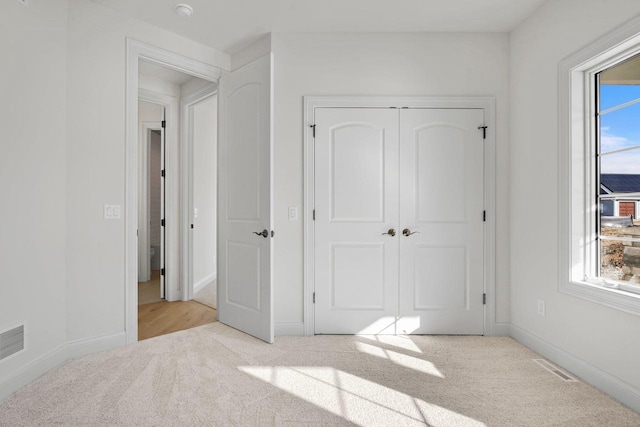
245,236
163,133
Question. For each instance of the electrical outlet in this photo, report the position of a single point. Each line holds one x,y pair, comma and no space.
541,307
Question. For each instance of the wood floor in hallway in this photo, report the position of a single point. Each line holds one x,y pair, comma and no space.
160,318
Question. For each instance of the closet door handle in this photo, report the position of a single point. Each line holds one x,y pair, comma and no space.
406,232
263,233
391,232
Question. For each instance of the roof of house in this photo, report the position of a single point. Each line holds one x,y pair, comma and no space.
620,183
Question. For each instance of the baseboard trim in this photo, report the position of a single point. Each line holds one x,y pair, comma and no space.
283,329
86,346
32,371
48,361
204,282
591,374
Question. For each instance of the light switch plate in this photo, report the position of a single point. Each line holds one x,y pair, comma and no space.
293,213
112,212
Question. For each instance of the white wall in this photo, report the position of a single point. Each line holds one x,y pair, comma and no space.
204,117
594,340
32,184
95,160
431,64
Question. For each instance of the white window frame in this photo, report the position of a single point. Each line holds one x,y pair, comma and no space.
578,245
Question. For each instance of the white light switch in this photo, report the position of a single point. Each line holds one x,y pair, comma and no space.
293,213
195,212
112,212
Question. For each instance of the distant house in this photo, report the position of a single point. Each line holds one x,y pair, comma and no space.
620,194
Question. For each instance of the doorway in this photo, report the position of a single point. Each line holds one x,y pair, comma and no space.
175,110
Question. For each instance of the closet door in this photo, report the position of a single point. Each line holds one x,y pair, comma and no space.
441,212
356,218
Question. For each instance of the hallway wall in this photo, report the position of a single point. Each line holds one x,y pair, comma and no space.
32,185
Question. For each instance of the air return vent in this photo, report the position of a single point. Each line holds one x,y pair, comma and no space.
11,342
555,370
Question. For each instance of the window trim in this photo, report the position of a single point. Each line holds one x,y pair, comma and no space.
576,167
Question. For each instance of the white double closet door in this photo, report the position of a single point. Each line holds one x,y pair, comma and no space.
399,231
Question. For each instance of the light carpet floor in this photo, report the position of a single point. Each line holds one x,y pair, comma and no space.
215,375
207,295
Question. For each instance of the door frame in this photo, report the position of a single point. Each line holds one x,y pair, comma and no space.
135,51
488,104
186,134
144,263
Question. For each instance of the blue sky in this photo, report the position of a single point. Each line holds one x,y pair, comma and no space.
620,129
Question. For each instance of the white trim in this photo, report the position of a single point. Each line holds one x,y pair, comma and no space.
55,357
486,103
576,238
285,329
136,50
32,371
613,386
82,347
186,184
204,282
144,263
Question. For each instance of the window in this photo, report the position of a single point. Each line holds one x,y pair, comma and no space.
617,139
599,154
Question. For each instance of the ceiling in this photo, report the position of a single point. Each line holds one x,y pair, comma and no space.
230,25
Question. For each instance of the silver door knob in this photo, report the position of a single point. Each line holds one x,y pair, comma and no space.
263,233
391,232
406,232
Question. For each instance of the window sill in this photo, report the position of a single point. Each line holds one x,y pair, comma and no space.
615,298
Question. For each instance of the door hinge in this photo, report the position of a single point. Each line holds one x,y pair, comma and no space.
314,214
314,297
273,233
162,173
162,222
484,131
484,216
162,272
164,124
484,299
313,127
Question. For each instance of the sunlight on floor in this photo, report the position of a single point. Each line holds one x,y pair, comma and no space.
355,399
400,359
399,341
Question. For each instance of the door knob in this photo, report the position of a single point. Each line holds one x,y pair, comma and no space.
263,233
391,232
406,232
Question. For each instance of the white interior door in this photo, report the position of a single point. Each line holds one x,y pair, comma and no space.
441,207
163,282
356,203
420,173
245,293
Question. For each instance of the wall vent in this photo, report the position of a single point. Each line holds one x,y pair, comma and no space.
555,371
11,342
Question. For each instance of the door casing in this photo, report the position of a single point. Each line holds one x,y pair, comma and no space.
485,103
135,51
